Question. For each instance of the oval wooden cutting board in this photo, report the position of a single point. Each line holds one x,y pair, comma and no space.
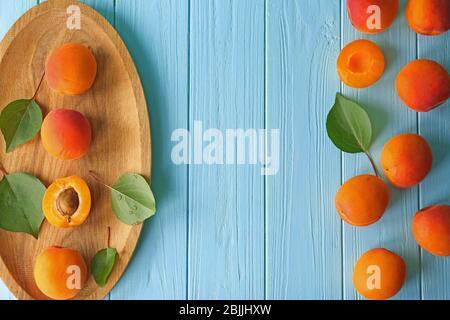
117,111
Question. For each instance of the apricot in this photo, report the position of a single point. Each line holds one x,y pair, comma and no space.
423,85
362,200
360,64
428,17
66,134
406,160
365,14
60,273
379,274
67,202
431,229
71,69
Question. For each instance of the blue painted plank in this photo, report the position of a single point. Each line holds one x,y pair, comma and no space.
104,7
226,202
389,117
10,11
435,127
156,34
303,229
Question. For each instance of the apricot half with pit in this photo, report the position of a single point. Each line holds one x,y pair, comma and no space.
379,274
71,69
60,273
406,160
66,134
67,202
431,229
360,64
362,200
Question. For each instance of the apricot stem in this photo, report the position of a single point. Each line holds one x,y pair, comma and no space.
3,170
109,238
96,177
38,87
372,162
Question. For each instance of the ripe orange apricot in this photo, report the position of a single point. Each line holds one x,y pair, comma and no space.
60,273
67,202
406,160
428,17
379,274
360,64
66,134
71,69
431,229
362,200
423,85
363,12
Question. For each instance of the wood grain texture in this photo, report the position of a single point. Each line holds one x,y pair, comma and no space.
156,33
112,153
9,12
435,127
389,117
107,10
226,202
303,230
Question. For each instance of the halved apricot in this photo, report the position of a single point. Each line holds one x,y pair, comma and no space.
67,202
360,64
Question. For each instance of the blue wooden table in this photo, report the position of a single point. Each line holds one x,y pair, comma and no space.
226,231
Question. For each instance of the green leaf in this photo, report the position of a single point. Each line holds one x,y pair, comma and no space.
349,126
20,121
103,264
132,199
21,197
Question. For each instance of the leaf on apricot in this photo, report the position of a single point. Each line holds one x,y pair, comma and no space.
20,121
132,199
103,264
21,197
349,126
